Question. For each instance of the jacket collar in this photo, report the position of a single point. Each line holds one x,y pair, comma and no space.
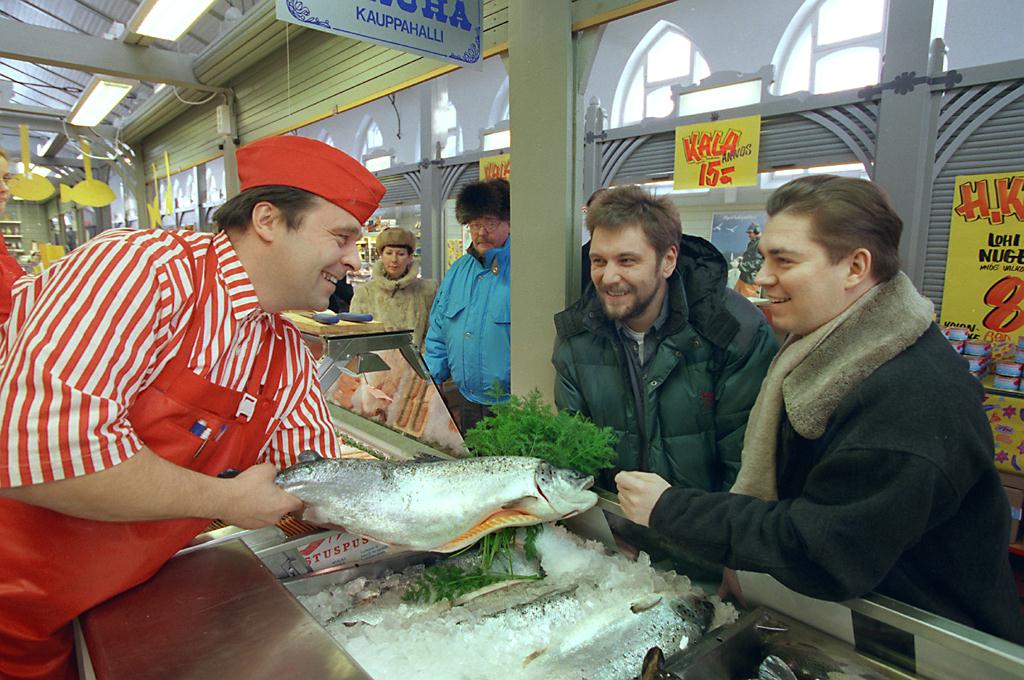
696,296
397,284
499,255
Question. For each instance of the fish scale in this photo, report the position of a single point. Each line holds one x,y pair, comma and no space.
441,505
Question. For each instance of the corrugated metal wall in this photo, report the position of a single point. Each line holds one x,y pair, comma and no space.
981,130
844,134
399,189
305,76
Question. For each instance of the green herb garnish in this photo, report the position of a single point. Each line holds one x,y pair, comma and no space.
519,427
529,427
447,582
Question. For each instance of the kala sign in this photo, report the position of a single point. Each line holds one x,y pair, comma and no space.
443,29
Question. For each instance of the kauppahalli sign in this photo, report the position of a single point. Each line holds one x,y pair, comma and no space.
442,29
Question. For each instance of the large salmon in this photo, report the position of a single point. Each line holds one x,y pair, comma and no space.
441,505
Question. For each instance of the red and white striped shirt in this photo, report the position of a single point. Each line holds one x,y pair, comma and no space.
95,329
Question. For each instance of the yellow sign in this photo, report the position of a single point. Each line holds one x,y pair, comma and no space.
984,287
719,154
29,185
453,251
90,192
49,254
494,167
155,217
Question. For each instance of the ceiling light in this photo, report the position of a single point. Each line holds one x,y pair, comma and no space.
98,99
167,19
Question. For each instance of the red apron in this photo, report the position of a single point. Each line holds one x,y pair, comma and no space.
10,271
53,567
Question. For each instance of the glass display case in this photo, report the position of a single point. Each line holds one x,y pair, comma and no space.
378,389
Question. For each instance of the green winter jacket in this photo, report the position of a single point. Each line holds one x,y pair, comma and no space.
698,387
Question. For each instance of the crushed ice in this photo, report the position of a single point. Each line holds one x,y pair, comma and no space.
583,590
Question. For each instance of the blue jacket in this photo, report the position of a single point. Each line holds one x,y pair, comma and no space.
468,338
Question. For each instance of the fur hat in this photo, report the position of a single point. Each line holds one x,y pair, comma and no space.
483,199
395,236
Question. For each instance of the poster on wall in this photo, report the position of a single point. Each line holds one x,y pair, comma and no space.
984,286
737,235
493,167
449,31
453,251
722,153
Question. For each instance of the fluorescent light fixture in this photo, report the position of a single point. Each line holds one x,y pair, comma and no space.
98,99
167,19
377,163
37,169
158,87
720,98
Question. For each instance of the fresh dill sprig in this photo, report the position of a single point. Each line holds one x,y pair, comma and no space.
519,427
529,427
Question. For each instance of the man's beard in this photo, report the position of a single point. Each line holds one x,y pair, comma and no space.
627,314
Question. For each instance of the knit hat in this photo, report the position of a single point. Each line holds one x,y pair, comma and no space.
483,199
395,236
312,166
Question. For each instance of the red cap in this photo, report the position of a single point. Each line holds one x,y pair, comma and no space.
311,165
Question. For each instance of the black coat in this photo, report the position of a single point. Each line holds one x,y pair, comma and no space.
899,496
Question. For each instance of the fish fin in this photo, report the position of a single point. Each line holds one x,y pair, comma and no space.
654,662
499,520
309,457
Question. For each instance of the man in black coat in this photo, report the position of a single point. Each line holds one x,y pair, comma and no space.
867,460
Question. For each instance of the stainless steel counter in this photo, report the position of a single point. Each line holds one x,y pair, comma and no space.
217,613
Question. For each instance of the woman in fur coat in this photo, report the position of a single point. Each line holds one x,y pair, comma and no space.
396,296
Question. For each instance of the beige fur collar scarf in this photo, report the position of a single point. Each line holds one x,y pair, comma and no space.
812,374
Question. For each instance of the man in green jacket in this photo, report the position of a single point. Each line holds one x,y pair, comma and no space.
659,349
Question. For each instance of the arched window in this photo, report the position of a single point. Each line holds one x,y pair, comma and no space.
831,45
371,139
498,135
500,106
666,56
325,137
446,127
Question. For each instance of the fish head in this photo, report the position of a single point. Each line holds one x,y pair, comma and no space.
566,491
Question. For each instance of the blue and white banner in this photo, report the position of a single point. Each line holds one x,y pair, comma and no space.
443,29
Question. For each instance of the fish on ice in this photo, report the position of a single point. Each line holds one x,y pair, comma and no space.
437,505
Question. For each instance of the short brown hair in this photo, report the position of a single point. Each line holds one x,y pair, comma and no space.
236,213
630,205
846,214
